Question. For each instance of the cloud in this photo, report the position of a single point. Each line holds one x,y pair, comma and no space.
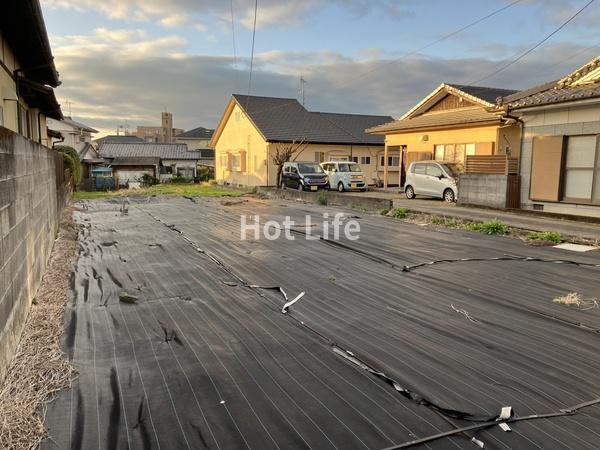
278,13
118,77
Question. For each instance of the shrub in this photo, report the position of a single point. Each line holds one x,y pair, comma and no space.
180,180
400,213
204,174
322,197
384,212
71,159
149,180
490,227
548,236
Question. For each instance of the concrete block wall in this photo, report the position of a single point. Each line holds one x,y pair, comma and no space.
482,190
566,122
29,217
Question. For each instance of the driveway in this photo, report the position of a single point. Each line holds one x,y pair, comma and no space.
380,351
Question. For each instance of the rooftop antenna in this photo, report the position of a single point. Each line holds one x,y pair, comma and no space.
68,104
302,83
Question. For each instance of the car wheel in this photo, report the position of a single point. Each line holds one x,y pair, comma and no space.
340,187
449,195
410,192
363,190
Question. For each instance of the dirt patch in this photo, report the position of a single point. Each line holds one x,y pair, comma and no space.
39,368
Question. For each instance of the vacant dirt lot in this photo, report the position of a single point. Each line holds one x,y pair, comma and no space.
380,351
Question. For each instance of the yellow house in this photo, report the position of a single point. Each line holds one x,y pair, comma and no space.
27,72
450,123
252,129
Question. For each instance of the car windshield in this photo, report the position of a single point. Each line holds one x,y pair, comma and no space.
451,169
309,168
349,168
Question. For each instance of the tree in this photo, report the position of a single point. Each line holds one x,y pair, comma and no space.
284,153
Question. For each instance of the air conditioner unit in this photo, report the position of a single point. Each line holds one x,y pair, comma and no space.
424,138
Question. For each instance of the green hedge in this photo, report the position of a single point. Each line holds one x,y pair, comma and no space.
71,159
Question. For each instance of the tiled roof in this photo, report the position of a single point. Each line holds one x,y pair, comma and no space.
112,139
79,125
135,161
163,151
488,94
286,120
197,133
549,94
439,119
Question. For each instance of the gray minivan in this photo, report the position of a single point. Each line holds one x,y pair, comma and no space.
432,179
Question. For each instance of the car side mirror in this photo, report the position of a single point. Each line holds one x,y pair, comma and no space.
442,176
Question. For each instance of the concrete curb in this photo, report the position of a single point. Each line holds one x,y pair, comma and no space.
369,204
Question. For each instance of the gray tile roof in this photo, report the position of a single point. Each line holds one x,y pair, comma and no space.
286,120
135,161
550,93
112,139
79,125
196,133
487,94
146,149
439,119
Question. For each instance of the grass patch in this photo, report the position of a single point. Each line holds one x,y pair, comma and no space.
490,227
400,213
322,197
182,190
545,236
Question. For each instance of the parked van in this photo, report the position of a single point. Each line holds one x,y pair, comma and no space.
344,175
304,176
432,179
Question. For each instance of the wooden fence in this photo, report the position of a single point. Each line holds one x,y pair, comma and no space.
492,164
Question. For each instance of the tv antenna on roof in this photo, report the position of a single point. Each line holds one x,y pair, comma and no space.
302,83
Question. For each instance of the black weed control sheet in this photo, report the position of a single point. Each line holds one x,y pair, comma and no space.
178,343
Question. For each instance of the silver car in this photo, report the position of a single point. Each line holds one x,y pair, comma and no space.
432,179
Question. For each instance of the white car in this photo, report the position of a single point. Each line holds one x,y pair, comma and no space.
432,179
345,175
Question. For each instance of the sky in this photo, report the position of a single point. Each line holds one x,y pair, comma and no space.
122,62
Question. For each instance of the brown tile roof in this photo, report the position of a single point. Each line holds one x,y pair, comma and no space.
438,119
551,94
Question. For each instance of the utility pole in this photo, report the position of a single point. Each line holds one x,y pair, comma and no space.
302,83
68,105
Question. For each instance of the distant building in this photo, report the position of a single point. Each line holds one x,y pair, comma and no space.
196,139
74,134
163,134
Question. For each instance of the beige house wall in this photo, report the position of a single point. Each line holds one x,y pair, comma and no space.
194,144
566,121
8,108
239,135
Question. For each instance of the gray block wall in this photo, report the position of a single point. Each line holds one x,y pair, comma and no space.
29,217
482,190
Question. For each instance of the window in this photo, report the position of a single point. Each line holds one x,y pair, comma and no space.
365,160
470,149
354,159
319,157
439,153
434,171
453,152
393,161
236,163
224,161
582,169
420,169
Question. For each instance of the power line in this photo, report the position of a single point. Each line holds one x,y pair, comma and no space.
430,44
531,49
233,37
252,54
434,42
